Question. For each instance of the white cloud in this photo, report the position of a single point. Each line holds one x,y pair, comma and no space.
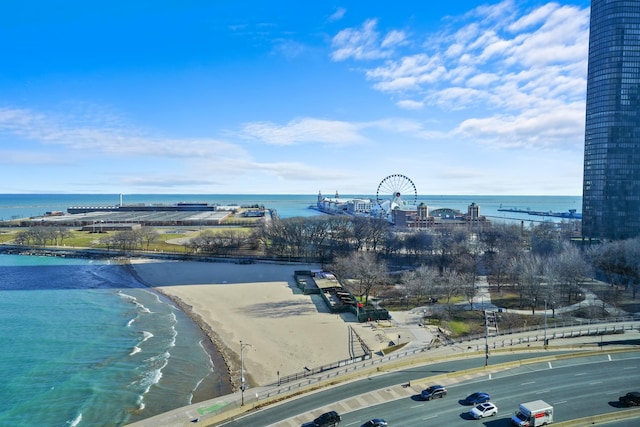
409,104
553,128
288,48
534,18
364,43
33,158
393,38
98,139
517,65
304,130
338,14
482,80
410,73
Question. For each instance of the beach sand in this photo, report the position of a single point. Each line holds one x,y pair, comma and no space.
260,305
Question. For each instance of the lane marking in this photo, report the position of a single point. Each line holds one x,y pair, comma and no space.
579,374
595,382
550,367
417,406
527,383
430,417
543,391
609,356
560,402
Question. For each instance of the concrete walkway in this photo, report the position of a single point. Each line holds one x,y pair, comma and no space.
215,411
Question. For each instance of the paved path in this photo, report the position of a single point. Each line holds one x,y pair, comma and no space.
229,405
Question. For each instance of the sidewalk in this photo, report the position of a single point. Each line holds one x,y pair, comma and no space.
578,339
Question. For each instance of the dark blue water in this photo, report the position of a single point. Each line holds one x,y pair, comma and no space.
29,205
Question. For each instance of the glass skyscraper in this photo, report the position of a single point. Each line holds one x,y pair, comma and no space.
611,188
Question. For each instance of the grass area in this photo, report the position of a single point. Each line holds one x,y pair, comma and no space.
506,298
620,296
84,239
6,235
459,323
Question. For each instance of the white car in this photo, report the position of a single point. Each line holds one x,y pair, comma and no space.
487,409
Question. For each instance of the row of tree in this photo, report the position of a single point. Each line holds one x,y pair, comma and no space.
42,236
540,262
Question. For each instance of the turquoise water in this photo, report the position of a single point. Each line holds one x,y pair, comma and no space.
83,344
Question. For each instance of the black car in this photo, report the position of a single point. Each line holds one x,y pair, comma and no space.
433,391
477,397
328,419
630,399
376,422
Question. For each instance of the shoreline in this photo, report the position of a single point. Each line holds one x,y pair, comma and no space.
284,332
214,347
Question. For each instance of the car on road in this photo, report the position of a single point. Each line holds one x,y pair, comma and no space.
483,410
376,422
477,397
630,399
433,391
328,419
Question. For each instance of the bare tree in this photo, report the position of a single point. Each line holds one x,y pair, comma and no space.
632,263
527,271
420,283
553,288
572,268
545,239
468,287
502,243
448,238
361,272
450,284
148,235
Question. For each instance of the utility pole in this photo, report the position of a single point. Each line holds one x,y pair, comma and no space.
545,323
242,385
486,338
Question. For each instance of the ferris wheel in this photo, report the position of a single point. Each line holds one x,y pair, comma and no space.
394,191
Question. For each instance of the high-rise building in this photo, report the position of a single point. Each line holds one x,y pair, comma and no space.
611,188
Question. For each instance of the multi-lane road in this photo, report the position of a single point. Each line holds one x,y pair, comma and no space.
577,387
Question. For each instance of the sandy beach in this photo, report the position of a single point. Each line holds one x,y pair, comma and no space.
260,305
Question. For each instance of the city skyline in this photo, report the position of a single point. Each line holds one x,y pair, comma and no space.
264,97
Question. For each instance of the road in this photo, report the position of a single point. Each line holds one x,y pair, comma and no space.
577,387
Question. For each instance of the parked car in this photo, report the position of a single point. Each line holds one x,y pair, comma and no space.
477,397
630,399
376,422
328,419
433,391
487,409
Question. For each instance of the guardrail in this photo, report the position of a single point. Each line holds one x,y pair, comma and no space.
231,405
592,329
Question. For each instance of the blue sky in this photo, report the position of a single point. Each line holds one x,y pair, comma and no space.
292,97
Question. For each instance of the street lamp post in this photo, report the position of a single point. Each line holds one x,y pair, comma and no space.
486,339
242,386
545,323
486,333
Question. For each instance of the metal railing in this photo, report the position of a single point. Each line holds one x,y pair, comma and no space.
570,330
